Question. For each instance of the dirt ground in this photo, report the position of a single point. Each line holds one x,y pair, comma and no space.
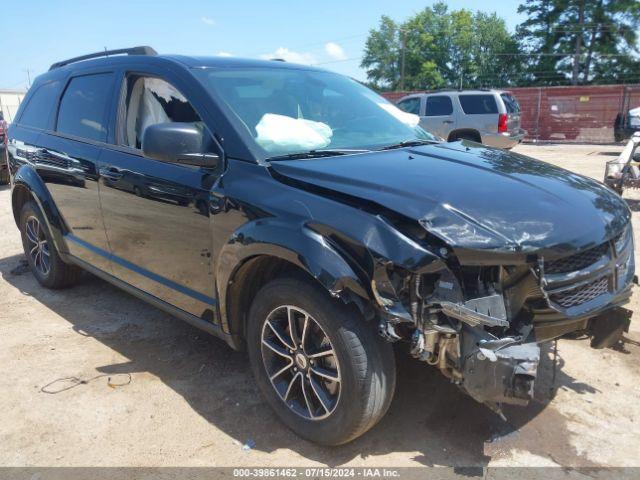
185,399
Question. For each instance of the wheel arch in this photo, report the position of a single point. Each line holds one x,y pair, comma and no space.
27,186
460,132
299,252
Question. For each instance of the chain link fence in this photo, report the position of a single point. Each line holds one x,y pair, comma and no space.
581,114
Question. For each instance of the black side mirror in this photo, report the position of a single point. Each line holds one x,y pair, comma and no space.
176,142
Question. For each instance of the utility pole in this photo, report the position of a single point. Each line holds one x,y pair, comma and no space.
576,57
28,78
403,47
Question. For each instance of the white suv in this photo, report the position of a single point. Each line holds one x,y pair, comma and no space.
491,117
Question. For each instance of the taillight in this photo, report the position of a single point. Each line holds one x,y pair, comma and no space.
502,123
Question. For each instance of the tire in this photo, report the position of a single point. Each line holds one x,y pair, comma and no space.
365,363
467,136
4,174
57,273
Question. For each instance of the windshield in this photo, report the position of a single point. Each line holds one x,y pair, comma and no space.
289,111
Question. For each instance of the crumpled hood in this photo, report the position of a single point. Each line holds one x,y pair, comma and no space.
475,197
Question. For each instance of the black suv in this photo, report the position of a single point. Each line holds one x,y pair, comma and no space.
296,214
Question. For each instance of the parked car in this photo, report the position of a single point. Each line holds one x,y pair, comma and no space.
626,125
4,170
491,117
319,226
624,171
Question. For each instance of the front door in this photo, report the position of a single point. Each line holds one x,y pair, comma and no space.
156,214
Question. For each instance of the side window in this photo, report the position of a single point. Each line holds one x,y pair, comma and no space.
439,105
510,103
149,101
83,107
410,105
38,110
478,104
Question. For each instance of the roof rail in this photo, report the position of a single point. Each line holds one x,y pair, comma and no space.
106,53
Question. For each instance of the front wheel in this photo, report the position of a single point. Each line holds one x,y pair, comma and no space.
323,368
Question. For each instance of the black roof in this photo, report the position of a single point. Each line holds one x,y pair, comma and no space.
147,54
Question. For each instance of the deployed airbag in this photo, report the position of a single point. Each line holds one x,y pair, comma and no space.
282,133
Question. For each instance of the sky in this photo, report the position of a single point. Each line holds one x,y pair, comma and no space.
328,33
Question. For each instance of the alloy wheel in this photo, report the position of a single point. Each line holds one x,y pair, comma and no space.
301,362
38,246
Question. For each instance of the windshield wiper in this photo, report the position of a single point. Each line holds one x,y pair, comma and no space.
316,154
408,143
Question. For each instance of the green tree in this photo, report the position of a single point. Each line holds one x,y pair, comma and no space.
442,48
382,55
580,41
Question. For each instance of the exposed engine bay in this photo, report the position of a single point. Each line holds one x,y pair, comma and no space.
482,326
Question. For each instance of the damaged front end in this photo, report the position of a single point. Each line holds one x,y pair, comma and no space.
481,326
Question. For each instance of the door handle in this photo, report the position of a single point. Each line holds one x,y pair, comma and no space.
111,173
447,121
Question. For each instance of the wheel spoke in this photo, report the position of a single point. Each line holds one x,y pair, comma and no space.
324,373
33,251
321,395
305,328
306,397
282,370
276,349
31,233
291,384
45,262
322,353
293,327
280,336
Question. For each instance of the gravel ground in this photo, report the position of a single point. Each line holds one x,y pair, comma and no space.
159,392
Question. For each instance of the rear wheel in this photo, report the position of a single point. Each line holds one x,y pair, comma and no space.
43,258
4,175
324,370
471,136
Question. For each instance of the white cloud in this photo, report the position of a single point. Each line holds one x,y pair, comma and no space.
291,56
224,54
209,21
335,51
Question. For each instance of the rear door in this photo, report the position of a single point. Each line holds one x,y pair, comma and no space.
512,108
157,213
66,157
480,112
438,117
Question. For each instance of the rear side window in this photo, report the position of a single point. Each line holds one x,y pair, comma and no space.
478,104
410,105
439,105
510,103
83,107
37,111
